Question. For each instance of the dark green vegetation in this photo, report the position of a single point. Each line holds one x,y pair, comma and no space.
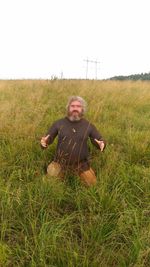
53,224
133,77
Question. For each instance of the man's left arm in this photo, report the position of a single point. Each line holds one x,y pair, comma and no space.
96,138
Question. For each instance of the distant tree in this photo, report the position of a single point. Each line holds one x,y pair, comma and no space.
134,77
54,77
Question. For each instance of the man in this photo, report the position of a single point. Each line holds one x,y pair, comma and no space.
73,132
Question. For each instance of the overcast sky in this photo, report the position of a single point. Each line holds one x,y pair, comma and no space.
42,38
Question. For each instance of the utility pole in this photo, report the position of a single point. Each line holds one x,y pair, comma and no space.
87,61
61,75
96,64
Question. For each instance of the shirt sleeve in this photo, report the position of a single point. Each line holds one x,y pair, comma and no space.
95,134
52,132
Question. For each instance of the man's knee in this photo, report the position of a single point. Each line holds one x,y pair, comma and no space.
54,169
88,177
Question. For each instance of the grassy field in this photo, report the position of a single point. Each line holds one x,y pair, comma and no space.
55,224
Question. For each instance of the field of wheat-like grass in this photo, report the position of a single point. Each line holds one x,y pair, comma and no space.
47,223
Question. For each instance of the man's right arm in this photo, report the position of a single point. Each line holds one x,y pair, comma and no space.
50,136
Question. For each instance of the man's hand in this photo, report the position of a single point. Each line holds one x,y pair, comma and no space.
101,144
44,141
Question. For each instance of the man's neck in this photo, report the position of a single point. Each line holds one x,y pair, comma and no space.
74,119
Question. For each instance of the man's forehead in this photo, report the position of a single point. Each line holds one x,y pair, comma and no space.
76,102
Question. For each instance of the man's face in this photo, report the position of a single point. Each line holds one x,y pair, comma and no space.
75,110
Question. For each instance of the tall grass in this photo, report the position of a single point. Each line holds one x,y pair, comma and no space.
47,223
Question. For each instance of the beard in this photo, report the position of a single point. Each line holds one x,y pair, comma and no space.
75,115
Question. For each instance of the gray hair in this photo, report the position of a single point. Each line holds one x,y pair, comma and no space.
79,99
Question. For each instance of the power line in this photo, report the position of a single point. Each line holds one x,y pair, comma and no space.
87,66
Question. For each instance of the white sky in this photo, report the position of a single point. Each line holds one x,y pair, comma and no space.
41,38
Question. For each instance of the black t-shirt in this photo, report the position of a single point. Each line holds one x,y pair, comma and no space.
72,147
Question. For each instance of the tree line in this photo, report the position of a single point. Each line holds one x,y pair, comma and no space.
134,77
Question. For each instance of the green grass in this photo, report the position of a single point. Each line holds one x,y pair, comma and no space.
48,223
